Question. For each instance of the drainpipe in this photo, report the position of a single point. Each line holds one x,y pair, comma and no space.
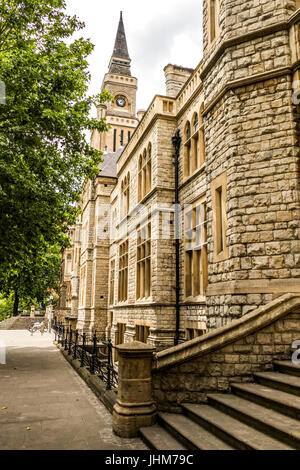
176,141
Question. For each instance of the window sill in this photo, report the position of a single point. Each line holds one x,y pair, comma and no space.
200,299
143,300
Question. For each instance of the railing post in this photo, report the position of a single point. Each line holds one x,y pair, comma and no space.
109,364
70,341
66,339
55,331
135,407
83,350
92,369
63,336
75,345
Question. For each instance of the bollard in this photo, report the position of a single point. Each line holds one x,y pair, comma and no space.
135,407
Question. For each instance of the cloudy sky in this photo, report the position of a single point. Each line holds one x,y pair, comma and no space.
158,32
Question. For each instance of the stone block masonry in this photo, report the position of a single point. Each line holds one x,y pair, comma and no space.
229,354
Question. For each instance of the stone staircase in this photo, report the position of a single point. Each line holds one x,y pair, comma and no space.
263,415
18,323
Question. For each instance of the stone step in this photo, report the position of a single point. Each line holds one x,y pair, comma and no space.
237,434
158,438
287,367
284,382
275,424
190,434
282,402
7,323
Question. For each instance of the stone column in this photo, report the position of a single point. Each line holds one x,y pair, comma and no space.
135,407
32,312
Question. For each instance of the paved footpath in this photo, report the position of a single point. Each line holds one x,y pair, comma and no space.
48,406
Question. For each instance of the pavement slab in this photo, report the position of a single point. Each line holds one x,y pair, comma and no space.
47,405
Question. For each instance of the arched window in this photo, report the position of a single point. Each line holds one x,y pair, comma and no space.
187,148
140,190
144,172
148,169
125,203
128,194
194,144
201,137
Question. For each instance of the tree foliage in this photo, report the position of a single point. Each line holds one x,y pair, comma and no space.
44,155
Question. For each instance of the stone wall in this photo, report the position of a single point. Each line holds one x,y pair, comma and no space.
251,136
229,354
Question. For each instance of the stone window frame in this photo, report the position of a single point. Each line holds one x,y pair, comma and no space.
112,274
213,24
219,223
195,251
143,262
145,172
123,271
142,332
194,144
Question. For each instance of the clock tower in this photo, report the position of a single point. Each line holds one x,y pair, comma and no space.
120,113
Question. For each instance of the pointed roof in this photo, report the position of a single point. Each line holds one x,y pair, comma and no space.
120,60
121,49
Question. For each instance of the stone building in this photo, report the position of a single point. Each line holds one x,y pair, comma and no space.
237,183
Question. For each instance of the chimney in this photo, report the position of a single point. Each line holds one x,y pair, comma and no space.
140,114
176,76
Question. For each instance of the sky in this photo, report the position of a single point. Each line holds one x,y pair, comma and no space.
158,32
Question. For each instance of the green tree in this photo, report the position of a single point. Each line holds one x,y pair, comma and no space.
32,279
44,155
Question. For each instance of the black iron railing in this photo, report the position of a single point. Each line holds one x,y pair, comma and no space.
92,350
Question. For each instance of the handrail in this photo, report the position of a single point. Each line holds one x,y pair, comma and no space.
220,337
87,348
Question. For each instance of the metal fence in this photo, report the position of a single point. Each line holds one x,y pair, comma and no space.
92,349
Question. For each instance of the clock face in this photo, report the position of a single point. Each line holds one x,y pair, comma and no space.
121,102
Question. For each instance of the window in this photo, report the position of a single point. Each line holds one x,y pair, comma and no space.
187,148
201,137
123,272
145,173
218,193
125,192
142,333
129,135
196,250
122,139
112,282
115,140
191,333
194,147
212,19
119,337
219,220
143,274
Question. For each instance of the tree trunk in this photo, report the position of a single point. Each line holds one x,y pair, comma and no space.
16,304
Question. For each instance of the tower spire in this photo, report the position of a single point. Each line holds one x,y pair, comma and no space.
120,60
